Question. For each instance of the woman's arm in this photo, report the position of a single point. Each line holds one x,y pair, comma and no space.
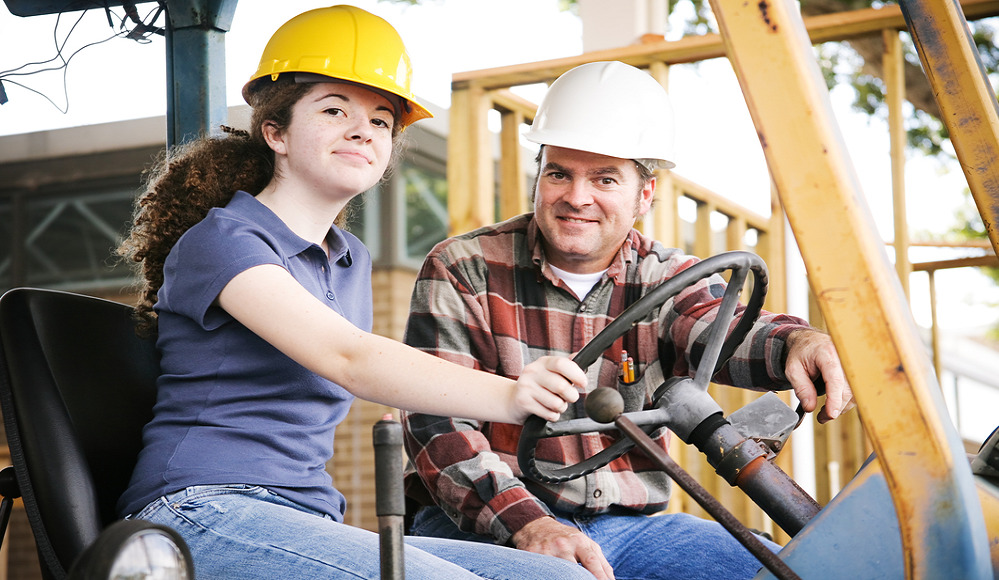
271,303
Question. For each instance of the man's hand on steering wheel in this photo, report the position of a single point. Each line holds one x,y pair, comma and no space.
811,355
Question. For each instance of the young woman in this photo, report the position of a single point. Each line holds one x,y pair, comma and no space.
262,307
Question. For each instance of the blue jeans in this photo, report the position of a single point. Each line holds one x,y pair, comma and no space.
638,547
247,532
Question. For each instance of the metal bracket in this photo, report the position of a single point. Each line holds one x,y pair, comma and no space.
768,420
986,463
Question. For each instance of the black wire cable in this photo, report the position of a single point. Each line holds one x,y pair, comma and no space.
142,38
55,40
64,68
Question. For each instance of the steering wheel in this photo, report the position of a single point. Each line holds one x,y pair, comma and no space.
718,350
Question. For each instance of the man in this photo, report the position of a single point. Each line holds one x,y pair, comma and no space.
546,283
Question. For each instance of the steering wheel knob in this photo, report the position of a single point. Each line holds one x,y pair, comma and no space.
604,404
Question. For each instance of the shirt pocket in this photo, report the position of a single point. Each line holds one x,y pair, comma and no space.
633,393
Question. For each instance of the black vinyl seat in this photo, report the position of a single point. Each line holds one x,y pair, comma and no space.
76,387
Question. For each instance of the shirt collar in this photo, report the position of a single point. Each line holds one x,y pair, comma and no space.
339,251
248,205
618,268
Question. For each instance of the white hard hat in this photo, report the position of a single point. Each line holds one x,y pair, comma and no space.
609,108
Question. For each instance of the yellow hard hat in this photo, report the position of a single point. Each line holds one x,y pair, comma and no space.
346,43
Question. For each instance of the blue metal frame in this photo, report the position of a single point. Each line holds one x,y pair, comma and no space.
195,59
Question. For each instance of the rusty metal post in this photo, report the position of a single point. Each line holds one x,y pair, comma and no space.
390,502
717,511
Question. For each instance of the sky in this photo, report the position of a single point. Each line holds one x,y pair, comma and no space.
124,79
717,145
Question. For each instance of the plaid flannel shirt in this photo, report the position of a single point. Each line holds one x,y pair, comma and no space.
489,300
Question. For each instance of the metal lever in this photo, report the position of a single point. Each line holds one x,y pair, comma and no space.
820,389
10,491
605,405
390,502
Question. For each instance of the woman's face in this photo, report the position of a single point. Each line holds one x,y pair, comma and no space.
339,140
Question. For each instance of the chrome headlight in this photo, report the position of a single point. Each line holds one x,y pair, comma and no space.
135,550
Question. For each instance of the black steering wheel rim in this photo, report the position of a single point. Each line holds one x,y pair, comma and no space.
741,264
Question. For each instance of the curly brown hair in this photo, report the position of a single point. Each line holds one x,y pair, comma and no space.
191,179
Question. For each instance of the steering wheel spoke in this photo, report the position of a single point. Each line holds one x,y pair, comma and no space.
721,344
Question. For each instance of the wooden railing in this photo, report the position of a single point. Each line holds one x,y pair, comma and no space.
477,188
988,259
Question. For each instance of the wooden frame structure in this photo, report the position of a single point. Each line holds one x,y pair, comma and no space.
859,293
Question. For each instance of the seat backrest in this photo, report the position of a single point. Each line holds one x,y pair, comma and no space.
76,387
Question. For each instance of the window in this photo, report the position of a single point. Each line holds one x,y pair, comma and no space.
426,210
402,218
65,240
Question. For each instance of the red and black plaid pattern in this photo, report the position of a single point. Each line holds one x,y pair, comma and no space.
489,300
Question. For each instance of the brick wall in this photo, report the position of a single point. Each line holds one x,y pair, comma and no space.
353,463
19,545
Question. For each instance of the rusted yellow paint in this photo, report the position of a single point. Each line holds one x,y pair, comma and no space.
967,102
857,291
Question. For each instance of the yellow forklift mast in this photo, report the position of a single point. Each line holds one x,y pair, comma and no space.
938,501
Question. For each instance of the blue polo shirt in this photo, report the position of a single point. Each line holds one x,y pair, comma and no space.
230,407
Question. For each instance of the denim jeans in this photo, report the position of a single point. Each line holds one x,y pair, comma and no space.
248,532
638,547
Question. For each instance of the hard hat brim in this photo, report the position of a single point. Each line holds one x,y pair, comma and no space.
592,143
